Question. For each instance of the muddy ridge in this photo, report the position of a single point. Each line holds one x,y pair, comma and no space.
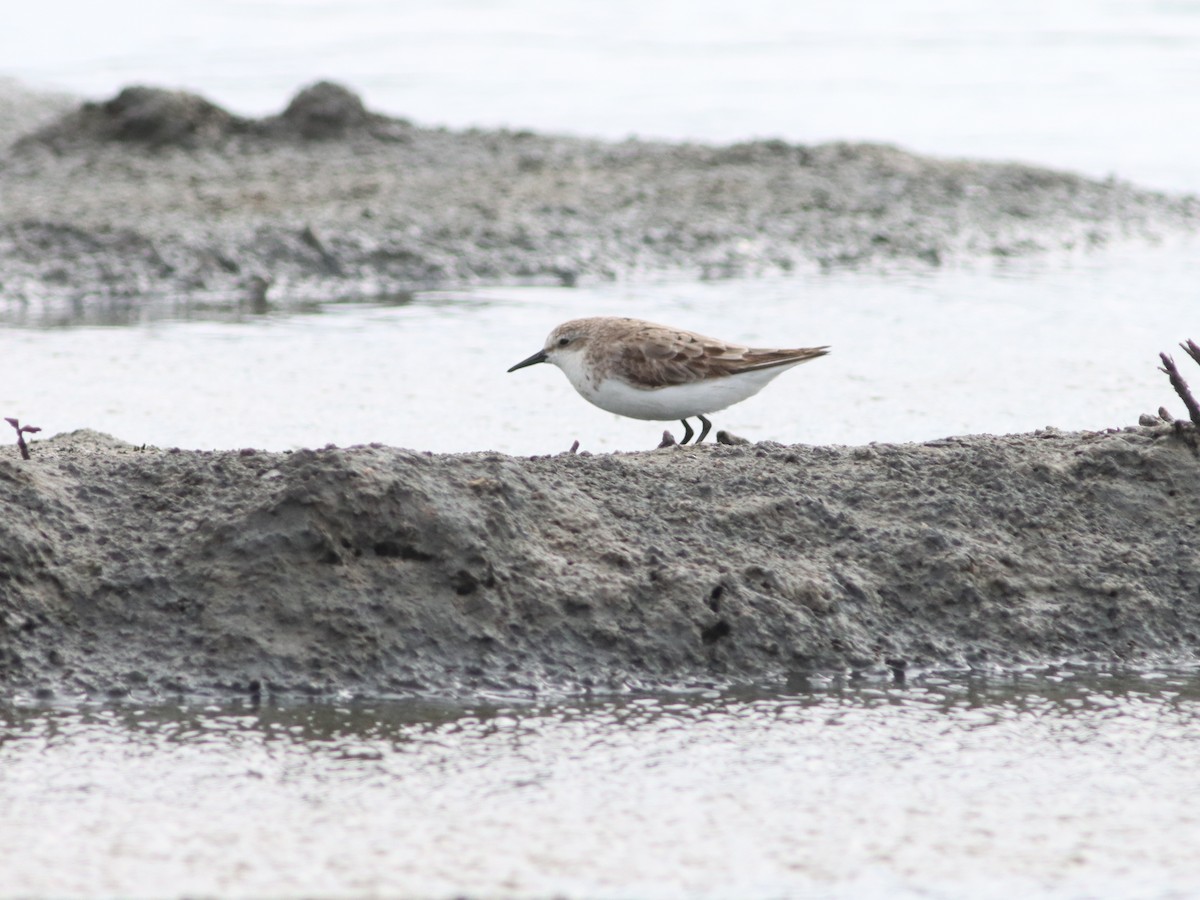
163,194
377,570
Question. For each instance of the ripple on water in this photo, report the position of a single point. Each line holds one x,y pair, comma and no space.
953,787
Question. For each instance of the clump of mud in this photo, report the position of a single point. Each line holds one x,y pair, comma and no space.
328,111
142,115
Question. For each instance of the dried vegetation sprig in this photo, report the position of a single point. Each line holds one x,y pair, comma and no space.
1177,382
1168,366
22,430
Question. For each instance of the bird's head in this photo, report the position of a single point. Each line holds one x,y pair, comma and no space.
565,344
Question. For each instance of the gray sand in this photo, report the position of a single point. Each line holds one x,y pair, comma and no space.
379,570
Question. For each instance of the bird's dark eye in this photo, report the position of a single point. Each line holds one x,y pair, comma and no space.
563,341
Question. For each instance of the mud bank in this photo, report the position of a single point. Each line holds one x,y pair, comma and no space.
380,570
161,194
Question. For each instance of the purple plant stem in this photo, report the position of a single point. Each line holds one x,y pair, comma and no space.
1181,387
22,430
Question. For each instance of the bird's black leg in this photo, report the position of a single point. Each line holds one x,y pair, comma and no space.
704,426
687,431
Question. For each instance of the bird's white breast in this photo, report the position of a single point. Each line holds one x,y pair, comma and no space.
676,401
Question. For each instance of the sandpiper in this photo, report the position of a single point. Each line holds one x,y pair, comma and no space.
647,371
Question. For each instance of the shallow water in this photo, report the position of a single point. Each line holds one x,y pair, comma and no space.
917,355
1059,785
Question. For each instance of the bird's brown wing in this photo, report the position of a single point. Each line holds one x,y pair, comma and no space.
662,356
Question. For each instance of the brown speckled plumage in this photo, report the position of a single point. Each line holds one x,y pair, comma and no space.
649,356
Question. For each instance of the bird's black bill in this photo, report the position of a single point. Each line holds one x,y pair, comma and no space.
538,357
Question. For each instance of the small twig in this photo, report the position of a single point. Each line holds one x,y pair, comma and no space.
668,440
1181,388
574,448
22,430
1191,350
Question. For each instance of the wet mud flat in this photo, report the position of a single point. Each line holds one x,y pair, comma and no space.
161,194
381,571
378,570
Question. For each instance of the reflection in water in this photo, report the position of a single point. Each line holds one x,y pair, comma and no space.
1046,785
139,310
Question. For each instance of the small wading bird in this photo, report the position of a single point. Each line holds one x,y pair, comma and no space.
653,372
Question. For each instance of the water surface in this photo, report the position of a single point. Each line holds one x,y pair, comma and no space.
1048,785
917,354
